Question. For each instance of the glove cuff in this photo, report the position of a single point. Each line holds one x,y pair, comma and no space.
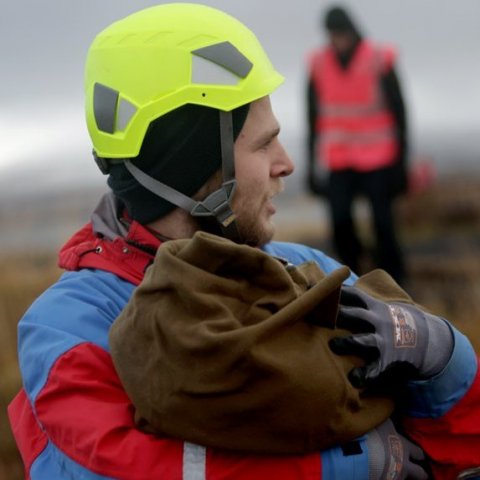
439,347
433,397
376,456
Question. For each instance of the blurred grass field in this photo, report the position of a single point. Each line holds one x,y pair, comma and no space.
23,278
439,228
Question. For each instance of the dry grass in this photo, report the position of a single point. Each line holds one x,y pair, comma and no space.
440,229
23,278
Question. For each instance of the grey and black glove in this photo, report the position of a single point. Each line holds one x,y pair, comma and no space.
392,456
391,335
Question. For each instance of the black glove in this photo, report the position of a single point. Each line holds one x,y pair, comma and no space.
391,335
392,456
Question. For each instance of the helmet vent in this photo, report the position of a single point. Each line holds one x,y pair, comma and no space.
158,37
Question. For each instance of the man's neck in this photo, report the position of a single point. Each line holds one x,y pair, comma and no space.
177,224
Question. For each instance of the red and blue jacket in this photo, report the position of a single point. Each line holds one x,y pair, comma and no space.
73,420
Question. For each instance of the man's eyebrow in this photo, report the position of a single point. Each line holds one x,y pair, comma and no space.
266,137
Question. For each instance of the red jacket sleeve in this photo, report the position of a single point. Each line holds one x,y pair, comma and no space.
452,441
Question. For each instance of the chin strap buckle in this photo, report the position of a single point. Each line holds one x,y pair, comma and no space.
217,205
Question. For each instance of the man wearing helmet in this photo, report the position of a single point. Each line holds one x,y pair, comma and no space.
258,178
179,115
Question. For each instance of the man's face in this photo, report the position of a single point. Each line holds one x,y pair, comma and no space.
260,164
342,40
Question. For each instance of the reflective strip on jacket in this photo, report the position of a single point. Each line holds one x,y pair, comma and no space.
357,129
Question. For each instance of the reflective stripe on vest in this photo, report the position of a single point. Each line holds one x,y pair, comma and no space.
356,128
194,462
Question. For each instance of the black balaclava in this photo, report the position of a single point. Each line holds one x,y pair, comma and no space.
338,19
181,149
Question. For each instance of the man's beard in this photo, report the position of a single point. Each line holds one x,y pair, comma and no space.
249,232
253,233
250,229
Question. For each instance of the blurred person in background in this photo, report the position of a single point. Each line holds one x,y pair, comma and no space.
189,141
357,138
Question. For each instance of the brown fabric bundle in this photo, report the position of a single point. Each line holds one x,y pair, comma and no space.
223,345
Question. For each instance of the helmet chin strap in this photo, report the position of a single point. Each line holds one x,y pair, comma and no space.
218,203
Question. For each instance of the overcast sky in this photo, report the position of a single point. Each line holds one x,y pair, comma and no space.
44,43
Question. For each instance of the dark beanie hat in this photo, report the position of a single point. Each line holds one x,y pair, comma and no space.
181,149
337,18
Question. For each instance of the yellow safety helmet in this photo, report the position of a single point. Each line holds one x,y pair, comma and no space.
158,59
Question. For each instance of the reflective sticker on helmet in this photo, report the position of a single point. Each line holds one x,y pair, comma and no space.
227,56
104,107
207,73
126,111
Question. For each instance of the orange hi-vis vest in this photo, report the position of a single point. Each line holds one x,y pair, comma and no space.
357,130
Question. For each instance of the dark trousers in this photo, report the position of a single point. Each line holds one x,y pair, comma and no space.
375,186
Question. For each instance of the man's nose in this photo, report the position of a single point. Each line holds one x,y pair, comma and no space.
283,165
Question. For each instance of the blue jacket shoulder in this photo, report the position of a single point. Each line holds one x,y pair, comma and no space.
80,307
297,253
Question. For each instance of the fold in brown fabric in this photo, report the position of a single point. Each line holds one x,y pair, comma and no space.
224,345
